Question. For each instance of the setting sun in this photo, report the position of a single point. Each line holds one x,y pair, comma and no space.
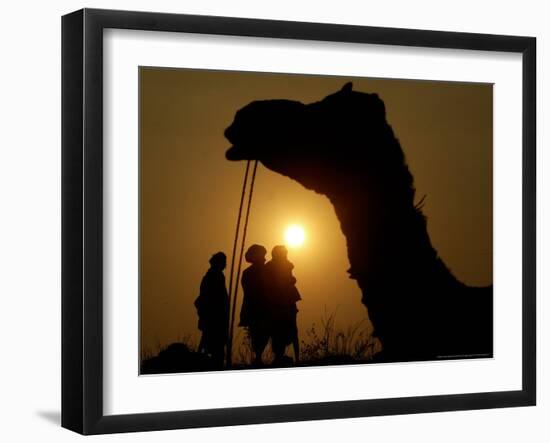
295,236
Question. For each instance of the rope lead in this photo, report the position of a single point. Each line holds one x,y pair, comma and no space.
233,292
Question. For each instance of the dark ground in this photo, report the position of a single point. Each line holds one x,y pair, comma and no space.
178,358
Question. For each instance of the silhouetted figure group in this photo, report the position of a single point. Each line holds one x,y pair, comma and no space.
269,302
268,310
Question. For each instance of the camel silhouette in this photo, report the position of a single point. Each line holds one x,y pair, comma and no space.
343,148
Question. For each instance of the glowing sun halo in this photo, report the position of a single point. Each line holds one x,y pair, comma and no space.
295,236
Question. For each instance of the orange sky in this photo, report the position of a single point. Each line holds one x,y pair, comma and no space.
189,193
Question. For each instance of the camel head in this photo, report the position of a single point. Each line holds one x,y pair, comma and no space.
321,145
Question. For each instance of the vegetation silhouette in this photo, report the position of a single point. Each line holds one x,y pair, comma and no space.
324,345
177,357
343,147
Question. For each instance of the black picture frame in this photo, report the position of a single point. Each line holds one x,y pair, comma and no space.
82,219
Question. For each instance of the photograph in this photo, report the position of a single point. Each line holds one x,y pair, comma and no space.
294,220
297,218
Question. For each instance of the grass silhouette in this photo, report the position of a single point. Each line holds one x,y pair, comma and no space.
353,344
324,346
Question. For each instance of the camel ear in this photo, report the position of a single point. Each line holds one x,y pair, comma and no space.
348,87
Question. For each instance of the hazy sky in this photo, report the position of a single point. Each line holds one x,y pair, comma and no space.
190,192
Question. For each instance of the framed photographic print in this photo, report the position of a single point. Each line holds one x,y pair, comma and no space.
269,221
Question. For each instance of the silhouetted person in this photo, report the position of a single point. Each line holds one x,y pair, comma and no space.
255,311
213,309
283,296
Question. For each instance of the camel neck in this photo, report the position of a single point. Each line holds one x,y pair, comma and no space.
389,242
